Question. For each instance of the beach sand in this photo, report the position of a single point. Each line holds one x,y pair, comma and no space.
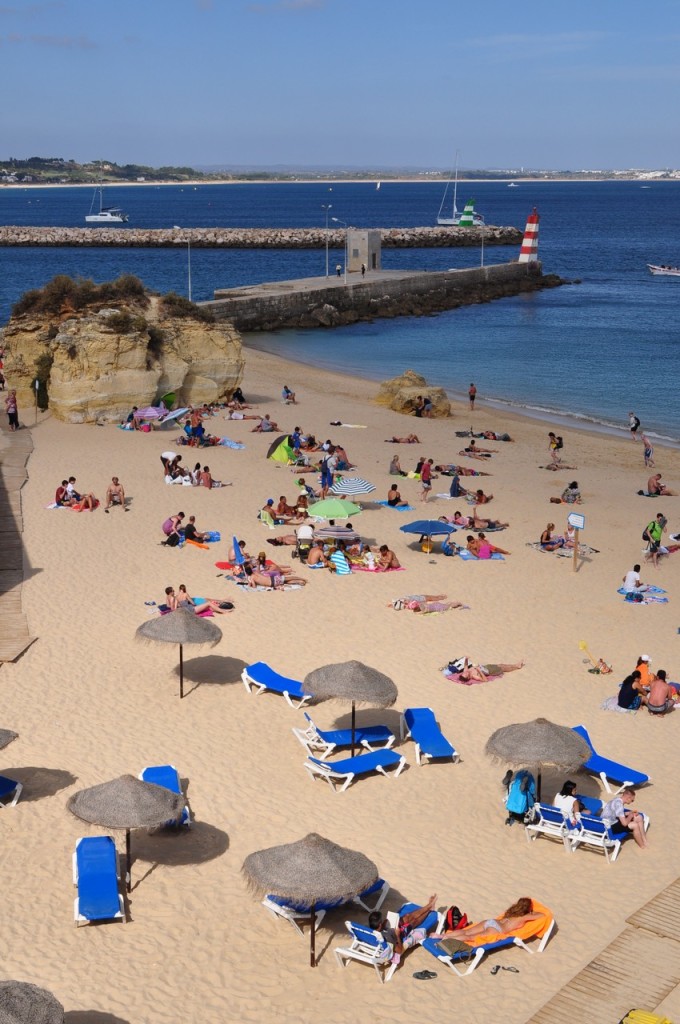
90,703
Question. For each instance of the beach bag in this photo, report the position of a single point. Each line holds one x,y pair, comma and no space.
455,919
173,540
457,665
457,948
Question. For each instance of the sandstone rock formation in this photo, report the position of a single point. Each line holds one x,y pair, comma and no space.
401,393
98,363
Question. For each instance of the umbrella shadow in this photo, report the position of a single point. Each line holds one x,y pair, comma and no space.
211,668
367,715
92,1017
179,846
40,782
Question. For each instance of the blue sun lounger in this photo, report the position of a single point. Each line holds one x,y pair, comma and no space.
7,787
421,726
470,961
369,947
167,776
259,677
593,832
95,873
607,769
323,742
295,912
340,774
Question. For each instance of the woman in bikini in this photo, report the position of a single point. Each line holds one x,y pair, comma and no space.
480,673
519,914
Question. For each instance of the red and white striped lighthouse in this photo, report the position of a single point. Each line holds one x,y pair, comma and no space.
529,251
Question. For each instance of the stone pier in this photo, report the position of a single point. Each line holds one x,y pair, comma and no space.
331,302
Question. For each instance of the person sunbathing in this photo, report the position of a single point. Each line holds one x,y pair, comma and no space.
343,458
182,600
425,603
486,524
480,673
408,931
115,495
394,497
474,447
515,917
449,468
548,542
284,510
481,498
410,439
265,426
206,479
493,549
387,559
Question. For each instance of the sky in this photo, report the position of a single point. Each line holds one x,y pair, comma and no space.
342,83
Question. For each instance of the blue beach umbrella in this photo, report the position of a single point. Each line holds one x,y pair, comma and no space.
428,528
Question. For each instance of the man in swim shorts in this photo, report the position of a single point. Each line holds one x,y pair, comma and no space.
115,495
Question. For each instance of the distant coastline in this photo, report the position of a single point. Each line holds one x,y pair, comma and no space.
408,180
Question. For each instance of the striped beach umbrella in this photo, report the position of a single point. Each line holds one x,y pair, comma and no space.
352,485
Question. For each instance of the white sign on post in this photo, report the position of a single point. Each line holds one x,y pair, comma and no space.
577,520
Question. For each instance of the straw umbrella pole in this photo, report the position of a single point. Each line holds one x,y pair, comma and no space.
180,627
351,681
537,745
310,871
126,803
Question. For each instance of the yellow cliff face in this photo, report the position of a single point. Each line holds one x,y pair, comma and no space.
400,394
105,362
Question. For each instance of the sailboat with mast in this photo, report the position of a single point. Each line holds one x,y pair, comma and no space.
105,214
468,218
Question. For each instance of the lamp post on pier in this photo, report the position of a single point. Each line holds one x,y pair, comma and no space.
178,228
327,207
483,230
346,227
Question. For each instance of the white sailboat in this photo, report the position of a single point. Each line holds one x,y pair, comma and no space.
444,220
105,214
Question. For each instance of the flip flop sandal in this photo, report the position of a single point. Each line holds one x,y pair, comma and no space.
513,970
425,975
495,970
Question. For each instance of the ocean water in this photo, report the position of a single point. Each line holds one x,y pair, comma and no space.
588,352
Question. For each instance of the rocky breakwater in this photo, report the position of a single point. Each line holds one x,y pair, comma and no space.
97,350
252,238
400,393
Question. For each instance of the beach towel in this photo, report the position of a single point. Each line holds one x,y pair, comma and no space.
53,504
650,590
353,426
397,508
645,599
376,572
467,556
612,704
454,677
225,442
646,494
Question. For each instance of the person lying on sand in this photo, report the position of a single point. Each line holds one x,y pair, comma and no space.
492,547
410,439
265,426
519,914
474,447
449,468
481,498
480,673
481,548
182,600
425,603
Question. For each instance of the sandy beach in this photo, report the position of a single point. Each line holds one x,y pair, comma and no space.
90,703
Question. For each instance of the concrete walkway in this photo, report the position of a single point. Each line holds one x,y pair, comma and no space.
15,450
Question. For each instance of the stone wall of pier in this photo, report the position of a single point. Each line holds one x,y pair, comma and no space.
252,238
271,307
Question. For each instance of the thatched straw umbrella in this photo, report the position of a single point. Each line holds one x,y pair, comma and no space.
351,681
6,737
537,745
23,1003
126,803
312,870
180,627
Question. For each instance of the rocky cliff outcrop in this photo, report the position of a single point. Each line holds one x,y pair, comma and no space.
98,363
401,393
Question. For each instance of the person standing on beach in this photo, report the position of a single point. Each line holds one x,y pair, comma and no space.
472,394
648,452
12,411
634,424
338,269
426,478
